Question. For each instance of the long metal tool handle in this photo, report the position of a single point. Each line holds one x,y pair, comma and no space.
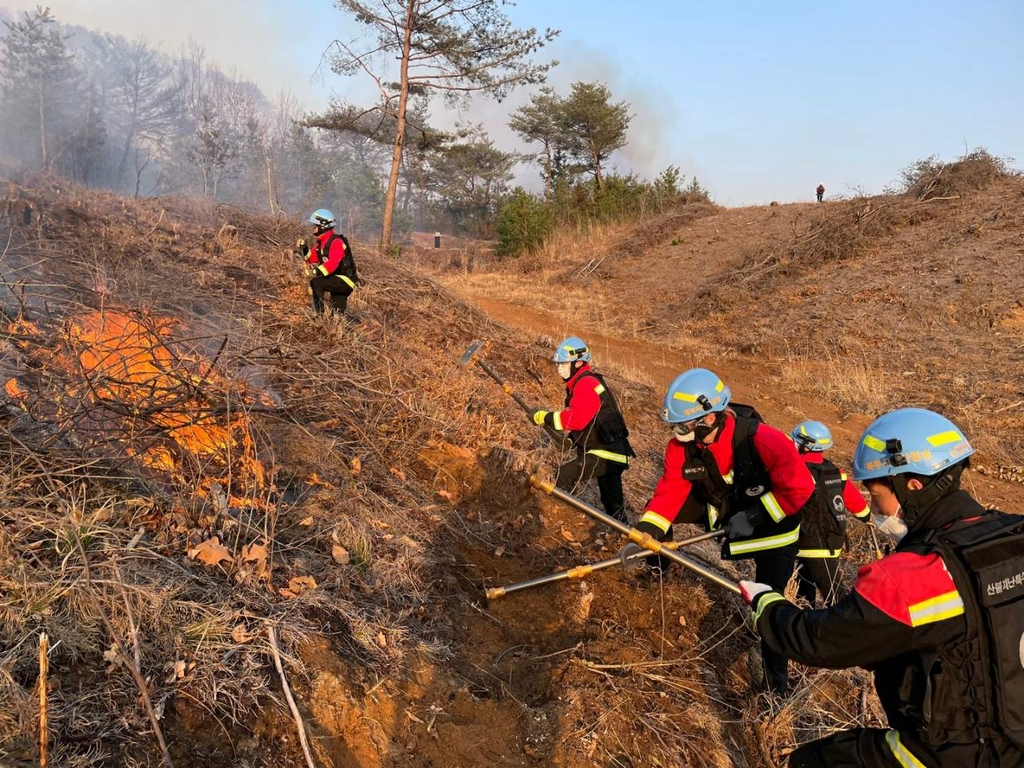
508,389
640,538
582,571
560,439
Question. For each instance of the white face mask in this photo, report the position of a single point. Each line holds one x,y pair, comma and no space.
892,526
565,371
689,437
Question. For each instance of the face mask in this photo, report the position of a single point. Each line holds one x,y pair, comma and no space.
685,432
892,526
565,371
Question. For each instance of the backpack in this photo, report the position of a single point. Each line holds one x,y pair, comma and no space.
347,267
746,466
986,561
353,273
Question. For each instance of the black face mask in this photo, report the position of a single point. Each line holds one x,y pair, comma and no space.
916,504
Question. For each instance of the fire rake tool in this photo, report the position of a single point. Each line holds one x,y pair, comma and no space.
639,538
471,355
582,571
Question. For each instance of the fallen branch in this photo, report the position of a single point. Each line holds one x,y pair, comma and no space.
1008,407
299,724
44,722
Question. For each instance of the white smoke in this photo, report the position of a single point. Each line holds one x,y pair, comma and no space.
271,43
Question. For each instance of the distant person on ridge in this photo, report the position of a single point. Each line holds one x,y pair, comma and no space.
726,468
334,267
594,424
820,192
823,530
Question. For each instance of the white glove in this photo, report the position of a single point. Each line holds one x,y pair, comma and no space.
751,589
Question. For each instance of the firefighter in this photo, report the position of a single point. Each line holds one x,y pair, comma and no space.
332,263
595,427
939,622
725,468
820,192
823,530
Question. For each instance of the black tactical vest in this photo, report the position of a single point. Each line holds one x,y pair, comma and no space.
824,523
608,430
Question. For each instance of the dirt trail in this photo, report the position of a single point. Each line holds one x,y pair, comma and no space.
657,364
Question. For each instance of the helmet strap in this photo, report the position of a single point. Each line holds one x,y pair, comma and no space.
917,503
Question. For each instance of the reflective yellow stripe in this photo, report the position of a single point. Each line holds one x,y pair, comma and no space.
322,270
818,553
712,516
763,602
936,609
601,454
874,443
557,418
864,515
768,542
686,397
772,505
655,519
349,281
599,389
842,476
944,438
901,753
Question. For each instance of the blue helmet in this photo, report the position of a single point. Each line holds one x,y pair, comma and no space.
909,441
693,394
572,349
812,436
322,218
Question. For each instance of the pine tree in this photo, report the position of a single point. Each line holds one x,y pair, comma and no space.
38,89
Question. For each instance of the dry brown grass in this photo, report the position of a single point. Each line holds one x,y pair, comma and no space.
304,438
854,385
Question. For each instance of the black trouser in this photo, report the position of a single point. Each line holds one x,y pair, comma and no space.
333,285
573,474
775,570
821,575
867,748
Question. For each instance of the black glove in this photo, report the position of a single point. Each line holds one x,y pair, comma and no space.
742,524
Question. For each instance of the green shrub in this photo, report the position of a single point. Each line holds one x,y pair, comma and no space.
523,222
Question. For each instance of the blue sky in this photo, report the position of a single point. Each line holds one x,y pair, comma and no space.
761,100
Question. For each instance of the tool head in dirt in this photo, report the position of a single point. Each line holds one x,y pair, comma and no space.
470,352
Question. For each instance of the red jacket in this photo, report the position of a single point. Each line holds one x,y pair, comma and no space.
855,503
330,262
583,402
792,484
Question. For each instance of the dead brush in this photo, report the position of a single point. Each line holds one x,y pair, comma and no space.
80,433
932,179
